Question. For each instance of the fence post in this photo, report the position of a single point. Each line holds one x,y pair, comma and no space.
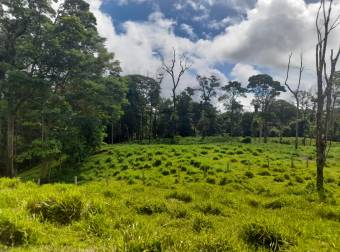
75,180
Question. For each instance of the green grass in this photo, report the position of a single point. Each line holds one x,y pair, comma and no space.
189,197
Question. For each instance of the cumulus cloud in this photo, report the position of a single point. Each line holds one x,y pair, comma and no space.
270,30
241,72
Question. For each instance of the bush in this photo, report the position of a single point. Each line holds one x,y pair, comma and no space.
249,174
185,197
141,246
150,208
11,234
261,235
157,163
165,172
199,224
254,203
224,181
246,140
208,208
264,173
179,213
279,179
299,179
97,226
330,214
212,244
276,204
62,211
211,181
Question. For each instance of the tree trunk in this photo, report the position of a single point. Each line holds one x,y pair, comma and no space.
10,146
265,132
297,125
320,146
174,118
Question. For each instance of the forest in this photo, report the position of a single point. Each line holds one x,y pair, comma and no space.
127,168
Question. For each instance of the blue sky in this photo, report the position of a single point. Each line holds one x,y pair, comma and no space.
232,39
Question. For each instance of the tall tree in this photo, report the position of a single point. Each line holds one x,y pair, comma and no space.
265,90
232,92
176,69
325,85
208,87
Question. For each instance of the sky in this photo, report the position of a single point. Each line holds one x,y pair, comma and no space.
233,39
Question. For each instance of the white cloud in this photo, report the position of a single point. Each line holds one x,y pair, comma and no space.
241,72
188,30
271,30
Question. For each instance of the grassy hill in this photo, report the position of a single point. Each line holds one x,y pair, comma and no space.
190,197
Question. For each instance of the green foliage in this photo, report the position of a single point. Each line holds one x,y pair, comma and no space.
181,196
261,235
11,234
62,210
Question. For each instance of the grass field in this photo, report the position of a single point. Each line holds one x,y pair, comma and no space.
223,196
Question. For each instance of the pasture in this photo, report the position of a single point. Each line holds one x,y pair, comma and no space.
191,197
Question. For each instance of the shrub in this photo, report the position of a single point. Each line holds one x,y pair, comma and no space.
185,197
279,179
224,181
208,208
211,180
196,164
165,172
246,140
199,224
239,152
276,204
173,171
254,203
179,213
62,211
108,194
249,174
150,208
97,226
141,246
261,235
157,163
168,164
330,214
213,244
264,173
299,179
11,234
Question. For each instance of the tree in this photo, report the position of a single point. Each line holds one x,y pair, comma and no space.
283,113
58,84
233,91
184,107
265,90
296,94
208,88
143,98
183,64
325,85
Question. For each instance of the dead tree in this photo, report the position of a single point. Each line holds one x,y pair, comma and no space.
181,63
325,69
296,94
